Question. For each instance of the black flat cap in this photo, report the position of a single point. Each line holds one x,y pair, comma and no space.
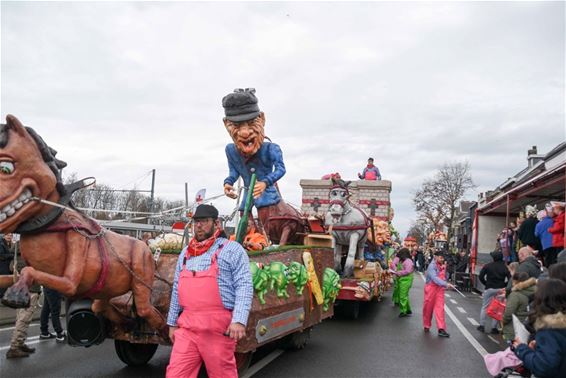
241,105
206,211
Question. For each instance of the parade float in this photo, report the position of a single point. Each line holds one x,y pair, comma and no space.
117,287
437,241
358,217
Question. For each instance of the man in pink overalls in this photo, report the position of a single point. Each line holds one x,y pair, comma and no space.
434,295
210,301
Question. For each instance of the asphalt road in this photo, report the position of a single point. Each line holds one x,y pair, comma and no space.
377,344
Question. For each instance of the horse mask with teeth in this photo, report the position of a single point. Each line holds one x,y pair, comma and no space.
28,168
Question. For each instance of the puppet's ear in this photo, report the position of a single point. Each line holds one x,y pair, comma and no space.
14,124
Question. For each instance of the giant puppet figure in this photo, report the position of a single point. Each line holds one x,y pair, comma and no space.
64,249
245,123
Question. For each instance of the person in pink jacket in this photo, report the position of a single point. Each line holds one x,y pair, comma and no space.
434,295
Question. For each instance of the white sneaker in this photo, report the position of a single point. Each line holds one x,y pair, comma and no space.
61,336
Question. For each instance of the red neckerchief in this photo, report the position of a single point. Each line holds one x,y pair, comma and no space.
370,166
197,248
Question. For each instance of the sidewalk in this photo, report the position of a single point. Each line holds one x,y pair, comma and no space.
8,315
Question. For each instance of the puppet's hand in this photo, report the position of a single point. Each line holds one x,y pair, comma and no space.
229,191
259,188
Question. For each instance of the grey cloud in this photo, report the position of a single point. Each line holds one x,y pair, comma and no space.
121,88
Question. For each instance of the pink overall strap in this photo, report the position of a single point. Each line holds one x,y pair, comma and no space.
213,259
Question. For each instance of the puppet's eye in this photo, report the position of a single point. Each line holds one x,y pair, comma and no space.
6,167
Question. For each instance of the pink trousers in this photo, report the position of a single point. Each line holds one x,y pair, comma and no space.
191,349
433,302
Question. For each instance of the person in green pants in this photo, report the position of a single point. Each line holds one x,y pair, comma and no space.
403,272
393,268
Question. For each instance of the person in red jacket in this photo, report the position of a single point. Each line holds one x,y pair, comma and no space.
557,230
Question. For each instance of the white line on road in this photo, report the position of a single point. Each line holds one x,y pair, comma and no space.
262,363
11,328
447,295
453,301
461,309
477,346
473,321
29,341
492,339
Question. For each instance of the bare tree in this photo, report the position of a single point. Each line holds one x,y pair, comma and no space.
104,197
436,202
420,231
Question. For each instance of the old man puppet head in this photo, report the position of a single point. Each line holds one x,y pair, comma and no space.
244,121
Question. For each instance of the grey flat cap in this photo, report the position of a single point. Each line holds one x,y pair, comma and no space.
241,105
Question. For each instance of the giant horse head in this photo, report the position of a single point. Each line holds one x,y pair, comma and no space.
28,169
338,199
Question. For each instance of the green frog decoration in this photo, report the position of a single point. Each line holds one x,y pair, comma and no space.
330,287
260,280
297,275
278,278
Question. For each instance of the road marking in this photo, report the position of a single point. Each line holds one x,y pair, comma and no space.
461,309
492,339
263,363
29,341
477,346
447,295
11,328
473,321
453,301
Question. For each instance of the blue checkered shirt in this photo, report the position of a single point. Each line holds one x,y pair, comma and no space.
234,280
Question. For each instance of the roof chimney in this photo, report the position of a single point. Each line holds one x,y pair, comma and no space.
533,157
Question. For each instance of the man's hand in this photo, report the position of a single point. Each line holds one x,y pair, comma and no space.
236,331
229,191
259,188
172,333
450,286
533,344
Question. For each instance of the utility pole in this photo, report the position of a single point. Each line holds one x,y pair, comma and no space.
186,196
149,221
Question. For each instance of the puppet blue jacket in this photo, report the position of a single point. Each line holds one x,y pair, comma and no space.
269,168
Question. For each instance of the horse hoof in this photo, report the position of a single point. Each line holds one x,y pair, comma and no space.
16,298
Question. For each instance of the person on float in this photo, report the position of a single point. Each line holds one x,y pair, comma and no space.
434,294
210,301
245,123
254,240
370,172
557,229
403,271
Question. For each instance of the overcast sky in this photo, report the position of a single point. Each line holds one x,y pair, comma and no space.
121,88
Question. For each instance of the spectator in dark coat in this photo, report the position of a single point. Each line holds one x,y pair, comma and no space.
462,260
526,232
558,271
6,257
494,277
528,263
546,355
